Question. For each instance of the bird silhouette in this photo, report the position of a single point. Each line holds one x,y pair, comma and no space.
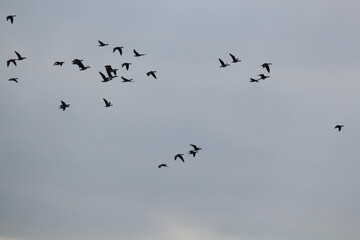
180,156
11,61
254,80
19,56
102,44
105,79
196,148
339,127
107,103
119,49
263,77
13,79
266,66
63,105
163,165
223,64
234,59
80,64
11,18
110,71
126,65
136,54
58,63
126,79
193,152
152,73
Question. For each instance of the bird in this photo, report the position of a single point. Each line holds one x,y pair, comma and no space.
179,156
110,71
266,66
80,64
339,127
126,65
234,59
101,44
196,148
193,152
119,49
223,64
11,18
163,165
19,56
13,79
11,61
63,105
136,54
83,68
58,63
107,103
105,79
126,79
254,80
263,77
152,73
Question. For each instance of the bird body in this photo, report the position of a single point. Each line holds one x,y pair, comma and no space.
63,105
163,165
152,73
263,77
193,152
20,58
254,80
180,156
102,44
58,63
339,127
126,79
11,61
107,103
136,54
222,64
13,79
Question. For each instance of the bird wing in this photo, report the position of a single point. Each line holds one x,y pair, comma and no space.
135,52
106,102
267,68
103,76
100,42
63,103
233,57
221,62
17,54
194,146
153,74
181,157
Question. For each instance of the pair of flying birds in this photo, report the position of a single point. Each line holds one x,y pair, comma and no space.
13,60
64,105
193,152
234,60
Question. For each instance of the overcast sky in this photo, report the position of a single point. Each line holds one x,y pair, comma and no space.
272,166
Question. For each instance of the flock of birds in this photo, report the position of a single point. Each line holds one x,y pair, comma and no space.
180,156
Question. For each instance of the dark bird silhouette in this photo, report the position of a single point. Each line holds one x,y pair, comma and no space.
13,79
193,152
254,80
163,165
196,148
11,18
119,49
107,103
101,44
11,61
223,64
266,66
263,77
105,78
126,65
136,54
234,59
63,105
80,64
339,127
126,79
152,73
19,56
110,71
58,63
179,156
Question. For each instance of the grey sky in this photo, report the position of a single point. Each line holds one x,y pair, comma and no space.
272,166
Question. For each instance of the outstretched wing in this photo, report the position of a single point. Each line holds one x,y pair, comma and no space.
233,57
106,101
221,62
17,54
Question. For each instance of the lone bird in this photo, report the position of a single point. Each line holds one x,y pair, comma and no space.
196,148
63,105
266,66
339,127
105,78
107,103
126,79
179,156
223,64
254,80
136,54
13,79
11,18
19,56
58,63
192,152
102,44
80,64
119,49
263,77
163,165
11,61
152,73
126,65
234,59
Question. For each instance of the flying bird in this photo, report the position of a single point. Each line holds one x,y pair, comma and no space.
136,54
13,79
110,71
223,64
193,152
119,49
126,79
105,79
107,103
58,63
101,44
19,56
234,59
196,148
179,156
263,77
126,65
152,73
339,127
163,165
80,64
11,61
266,66
63,105
254,80
11,18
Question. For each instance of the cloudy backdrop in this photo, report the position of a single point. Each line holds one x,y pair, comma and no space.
272,166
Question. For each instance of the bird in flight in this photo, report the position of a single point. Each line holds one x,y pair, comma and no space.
19,56
223,64
11,18
234,59
11,61
196,148
179,156
58,63
266,66
80,64
119,49
163,165
126,65
254,80
13,79
193,152
152,73
263,77
110,71
339,127
105,78
107,103
102,44
136,54
126,79
63,105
